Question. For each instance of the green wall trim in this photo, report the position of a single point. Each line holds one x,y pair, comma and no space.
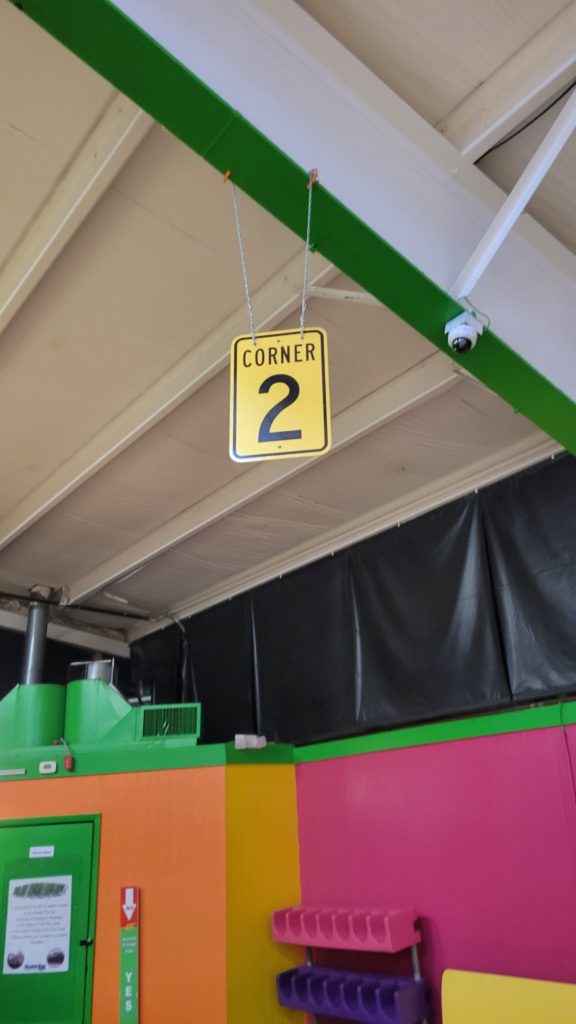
544,716
273,753
108,41
162,755
176,754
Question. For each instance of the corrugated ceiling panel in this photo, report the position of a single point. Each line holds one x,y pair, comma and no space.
48,101
185,458
433,53
130,295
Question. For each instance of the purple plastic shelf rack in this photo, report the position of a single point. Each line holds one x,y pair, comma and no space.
348,995
378,931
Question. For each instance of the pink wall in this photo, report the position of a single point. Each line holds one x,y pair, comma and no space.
479,836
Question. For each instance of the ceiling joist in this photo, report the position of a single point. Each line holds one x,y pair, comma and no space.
100,157
531,78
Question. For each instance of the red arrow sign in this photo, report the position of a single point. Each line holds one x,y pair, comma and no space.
129,906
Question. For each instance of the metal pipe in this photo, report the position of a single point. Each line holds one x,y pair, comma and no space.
551,145
416,968
310,961
35,643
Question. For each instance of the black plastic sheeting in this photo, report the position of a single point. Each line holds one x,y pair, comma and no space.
467,608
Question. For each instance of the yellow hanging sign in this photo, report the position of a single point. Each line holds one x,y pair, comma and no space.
279,396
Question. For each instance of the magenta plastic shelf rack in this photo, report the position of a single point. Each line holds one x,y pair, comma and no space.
348,995
379,931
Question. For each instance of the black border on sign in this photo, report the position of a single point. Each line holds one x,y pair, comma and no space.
274,455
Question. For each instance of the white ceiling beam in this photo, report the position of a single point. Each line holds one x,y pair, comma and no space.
344,295
429,378
101,155
279,297
533,76
291,80
16,621
454,485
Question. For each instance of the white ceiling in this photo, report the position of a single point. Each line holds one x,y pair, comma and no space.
433,53
115,479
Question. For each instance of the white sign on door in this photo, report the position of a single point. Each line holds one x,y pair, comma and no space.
38,925
40,852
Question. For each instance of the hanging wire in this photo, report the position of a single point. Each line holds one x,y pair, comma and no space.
242,257
311,182
527,124
313,178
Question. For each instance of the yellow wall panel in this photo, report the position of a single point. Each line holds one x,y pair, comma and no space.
469,998
262,875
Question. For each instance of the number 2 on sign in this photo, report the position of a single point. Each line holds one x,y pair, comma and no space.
265,434
279,397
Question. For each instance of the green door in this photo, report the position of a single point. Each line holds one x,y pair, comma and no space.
45,884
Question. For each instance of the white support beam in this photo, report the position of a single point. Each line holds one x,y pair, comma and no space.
344,295
530,79
16,621
473,476
275,65
280,296
101,155
429,378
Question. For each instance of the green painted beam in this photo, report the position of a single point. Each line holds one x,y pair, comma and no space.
118,49
545,716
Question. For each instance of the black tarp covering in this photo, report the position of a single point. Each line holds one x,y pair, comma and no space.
466,608
530,523
305,693
220,646
428,632
158,667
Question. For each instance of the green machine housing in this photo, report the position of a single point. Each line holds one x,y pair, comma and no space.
89,712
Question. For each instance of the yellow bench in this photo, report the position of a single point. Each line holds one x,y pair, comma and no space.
469,998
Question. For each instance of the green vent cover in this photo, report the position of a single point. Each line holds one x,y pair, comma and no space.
171,720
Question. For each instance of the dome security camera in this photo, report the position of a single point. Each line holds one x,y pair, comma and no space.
463,332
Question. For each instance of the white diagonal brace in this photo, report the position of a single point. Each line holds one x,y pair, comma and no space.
527,81
454,485
431,377
349,295
549,149
272,303
101,155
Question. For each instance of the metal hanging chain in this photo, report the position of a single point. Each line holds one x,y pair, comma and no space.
313,178
242,257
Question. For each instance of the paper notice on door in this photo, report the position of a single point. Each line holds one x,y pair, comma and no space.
39,852
38,925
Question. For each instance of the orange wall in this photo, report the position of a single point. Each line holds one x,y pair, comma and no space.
183,882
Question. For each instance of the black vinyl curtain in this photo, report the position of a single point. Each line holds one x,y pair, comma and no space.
465,609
